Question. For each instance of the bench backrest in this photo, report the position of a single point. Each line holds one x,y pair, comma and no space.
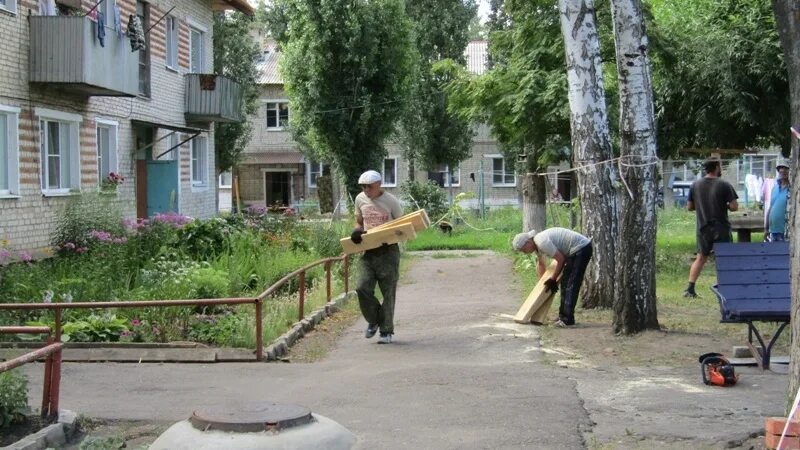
753,281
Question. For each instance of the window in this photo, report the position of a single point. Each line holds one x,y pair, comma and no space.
9,5
225,180
315,170
277,115
106,149
143,11
196,50
107,8
439,175
9,151
59,151
390,172
199,161
170,150
501,174
172,43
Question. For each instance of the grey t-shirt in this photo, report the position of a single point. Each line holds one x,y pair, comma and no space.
563,240
377,211
711,197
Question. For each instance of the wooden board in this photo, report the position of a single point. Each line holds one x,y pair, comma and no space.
539,300
417,218
376,238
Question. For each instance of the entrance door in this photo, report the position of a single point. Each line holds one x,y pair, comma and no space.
162,187
277,188
143,137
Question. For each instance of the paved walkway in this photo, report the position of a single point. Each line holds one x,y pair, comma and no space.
459,374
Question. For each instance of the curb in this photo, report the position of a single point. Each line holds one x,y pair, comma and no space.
281,345
54,435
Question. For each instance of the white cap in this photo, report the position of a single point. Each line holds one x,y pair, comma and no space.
781,163
369,177
521,239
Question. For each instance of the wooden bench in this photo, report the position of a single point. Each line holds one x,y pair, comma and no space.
753,285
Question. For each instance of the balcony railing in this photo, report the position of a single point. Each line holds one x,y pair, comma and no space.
65,52
212,98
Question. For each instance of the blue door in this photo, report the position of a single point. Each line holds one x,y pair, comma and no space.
162,187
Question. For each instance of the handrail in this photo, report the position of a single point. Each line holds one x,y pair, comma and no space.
52,366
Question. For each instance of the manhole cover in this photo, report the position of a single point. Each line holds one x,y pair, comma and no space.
251,418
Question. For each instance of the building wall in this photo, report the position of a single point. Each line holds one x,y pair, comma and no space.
26,220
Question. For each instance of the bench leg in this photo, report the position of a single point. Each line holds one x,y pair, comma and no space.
763,359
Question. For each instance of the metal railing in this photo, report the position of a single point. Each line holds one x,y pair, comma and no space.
52,365
57,308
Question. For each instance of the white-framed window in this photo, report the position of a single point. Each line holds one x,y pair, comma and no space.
170,150
277,114
106,149
315,170
196,49
502,175
9,5
59,151
439,173
389,172
225,180
107,8
9,151
172,42
199,161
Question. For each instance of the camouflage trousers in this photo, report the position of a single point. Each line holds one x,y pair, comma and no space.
379,266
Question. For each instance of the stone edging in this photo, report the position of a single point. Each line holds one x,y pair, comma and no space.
281,345
52,436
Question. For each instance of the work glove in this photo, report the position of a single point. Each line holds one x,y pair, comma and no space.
356,235
551,285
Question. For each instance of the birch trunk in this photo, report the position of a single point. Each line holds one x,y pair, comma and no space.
788,22
534,212
635,302
590,145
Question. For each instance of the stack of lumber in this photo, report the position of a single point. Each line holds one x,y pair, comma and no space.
773,430
401,229
536,306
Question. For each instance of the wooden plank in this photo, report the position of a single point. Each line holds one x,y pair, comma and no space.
374,239
733,277
752,263
539,299
750,249
755,291
417,220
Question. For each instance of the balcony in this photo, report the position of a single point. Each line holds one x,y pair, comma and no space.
66,53
212,98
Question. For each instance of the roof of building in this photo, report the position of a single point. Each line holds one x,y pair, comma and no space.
239,5
268,68
477,54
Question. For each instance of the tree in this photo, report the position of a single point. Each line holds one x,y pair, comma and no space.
235,57
789,30
432,135
635,302
590,147
346,67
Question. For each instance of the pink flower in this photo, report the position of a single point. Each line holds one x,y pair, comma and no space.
69,245
25,256
103,236
136,322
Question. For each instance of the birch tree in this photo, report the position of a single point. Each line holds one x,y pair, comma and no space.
635,302
591,145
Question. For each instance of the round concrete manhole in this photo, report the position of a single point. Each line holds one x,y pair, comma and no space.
251,418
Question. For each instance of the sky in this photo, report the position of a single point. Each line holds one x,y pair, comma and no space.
483,10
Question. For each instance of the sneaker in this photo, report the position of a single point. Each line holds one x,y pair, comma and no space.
689,294
386,338
560,324
371,330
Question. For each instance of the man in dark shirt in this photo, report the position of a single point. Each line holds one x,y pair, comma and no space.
711,197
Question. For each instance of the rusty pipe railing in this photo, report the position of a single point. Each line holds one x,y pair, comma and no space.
52,366
256,301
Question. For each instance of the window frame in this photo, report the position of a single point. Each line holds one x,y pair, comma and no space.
202,31
221,184
309,172
146,66
455,174
171,38
504,172
202,159
12,7
72,123
383,171
113,150
277,109
11,114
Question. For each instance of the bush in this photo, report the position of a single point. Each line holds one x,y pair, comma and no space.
81,215
428,196
13,397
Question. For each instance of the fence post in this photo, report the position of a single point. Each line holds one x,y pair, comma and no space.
346,274
259,332
58,324
302,294
55,383
48,369
328,280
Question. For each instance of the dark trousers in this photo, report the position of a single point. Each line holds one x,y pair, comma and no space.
379,266
571,282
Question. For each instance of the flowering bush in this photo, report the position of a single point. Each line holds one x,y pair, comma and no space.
111,181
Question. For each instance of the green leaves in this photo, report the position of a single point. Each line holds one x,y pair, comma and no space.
13,397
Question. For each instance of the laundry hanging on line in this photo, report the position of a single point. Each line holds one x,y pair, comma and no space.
47,7
136,33
101,28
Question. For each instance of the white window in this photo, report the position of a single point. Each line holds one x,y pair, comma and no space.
106,149
172,42
199,161
225,180
9,150
196,50
170,151
389,172
315,170
59,151
502,175
143,11
107,8
9,5
277,115
439,175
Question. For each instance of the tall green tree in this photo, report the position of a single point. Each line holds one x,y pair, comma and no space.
235,57
433,135
346,67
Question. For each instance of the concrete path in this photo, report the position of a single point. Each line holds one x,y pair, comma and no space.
460,374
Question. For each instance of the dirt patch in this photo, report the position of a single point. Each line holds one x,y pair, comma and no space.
112,434
18,430
315,345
